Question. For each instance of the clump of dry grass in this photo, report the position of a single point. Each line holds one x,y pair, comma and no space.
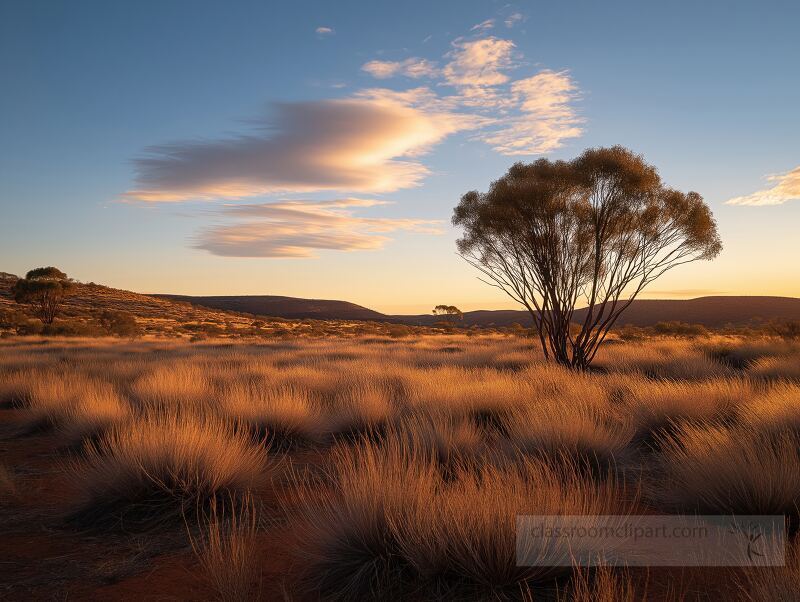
362,409
393,527
484,396
661,360
227,549
180,385
714,469
453,443
285,416
588,435
616,584
15,387
772,583
602,584
777,368
659,408
77,405
91,415
161,465
777,409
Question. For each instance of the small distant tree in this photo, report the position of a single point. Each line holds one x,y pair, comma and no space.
451,312
44,289
593,231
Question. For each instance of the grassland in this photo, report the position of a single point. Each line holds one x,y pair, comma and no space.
376,467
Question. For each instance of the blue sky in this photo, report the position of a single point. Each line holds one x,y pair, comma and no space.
317,149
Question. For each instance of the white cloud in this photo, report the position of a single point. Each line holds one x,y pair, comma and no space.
483,25
324,31
786,188
528,116
412,67
298,228
353,145
479,62
513,19
546,116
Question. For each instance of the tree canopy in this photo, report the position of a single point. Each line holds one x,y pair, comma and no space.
45,290
448,310
595,230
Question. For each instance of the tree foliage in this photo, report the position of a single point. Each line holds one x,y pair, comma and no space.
595,230
45,290
448,310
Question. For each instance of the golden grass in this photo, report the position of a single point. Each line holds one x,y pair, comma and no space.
590,436
658,408
776,368
227,549
164,464
412,456
714,469
392,526
285,416
769,584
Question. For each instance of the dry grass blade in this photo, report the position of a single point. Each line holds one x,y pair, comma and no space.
226,549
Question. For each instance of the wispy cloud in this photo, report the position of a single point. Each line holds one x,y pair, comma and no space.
299,228
413,67
513,19
786,188
478,62
527,116
547,116
354,145
483,25
369,143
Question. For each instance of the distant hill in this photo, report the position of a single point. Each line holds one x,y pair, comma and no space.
712,312
284,307
709,311
165,315
180,314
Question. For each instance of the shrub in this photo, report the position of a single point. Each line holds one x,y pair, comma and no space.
680,329
788,330
120,323
397,331
73,328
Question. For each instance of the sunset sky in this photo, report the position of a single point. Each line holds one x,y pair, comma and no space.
317,149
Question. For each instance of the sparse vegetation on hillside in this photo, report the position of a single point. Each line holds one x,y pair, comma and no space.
93,310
